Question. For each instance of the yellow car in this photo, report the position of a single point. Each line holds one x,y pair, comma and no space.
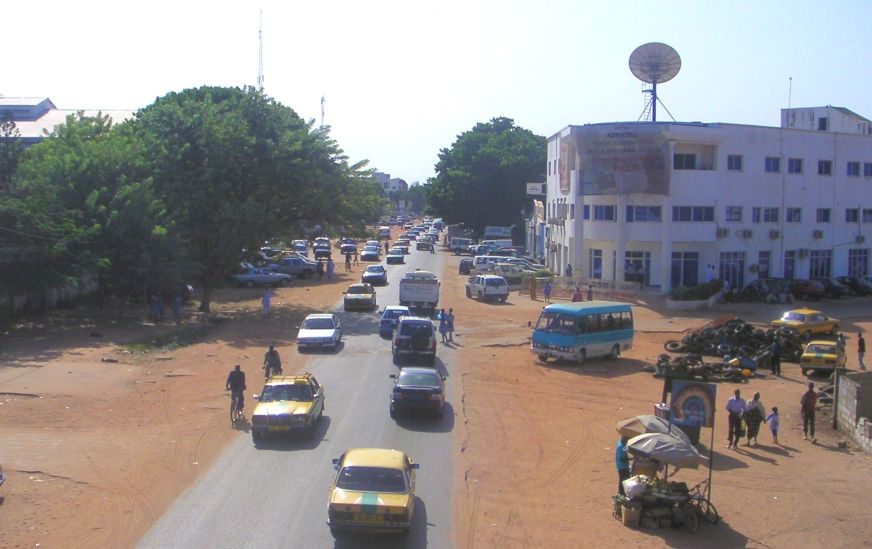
807,322
822,356
374,490
287,404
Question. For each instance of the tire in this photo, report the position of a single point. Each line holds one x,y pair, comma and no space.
249,284
392,412
543,358
673,346
256,437
581,357
503,299
616,351
691,520
284,282
707,511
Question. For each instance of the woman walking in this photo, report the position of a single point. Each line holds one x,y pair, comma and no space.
755,413
443,325
449,322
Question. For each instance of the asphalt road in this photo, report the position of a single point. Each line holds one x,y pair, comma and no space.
275,495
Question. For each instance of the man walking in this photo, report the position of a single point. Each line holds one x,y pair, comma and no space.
807,404
622,463
449,324
736,408
546,291
861,349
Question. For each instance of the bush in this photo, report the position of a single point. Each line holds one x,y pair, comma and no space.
543,273
698,292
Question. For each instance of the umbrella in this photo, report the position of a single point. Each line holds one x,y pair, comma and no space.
639,425
665,448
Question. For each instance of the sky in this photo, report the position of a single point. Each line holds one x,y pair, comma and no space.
401,80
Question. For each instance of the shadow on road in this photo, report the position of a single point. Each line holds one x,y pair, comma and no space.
289,442
428,424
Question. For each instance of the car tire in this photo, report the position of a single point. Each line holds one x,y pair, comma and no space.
396,359
616,351
248,284
256,437
543,358
581,358
393,412
503,299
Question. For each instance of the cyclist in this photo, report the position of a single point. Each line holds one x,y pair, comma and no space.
272,363
236,386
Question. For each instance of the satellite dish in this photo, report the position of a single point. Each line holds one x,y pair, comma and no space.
655,63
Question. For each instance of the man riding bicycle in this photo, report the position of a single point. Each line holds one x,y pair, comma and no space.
236,386
272,363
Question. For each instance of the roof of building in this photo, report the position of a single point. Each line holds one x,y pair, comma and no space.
35,117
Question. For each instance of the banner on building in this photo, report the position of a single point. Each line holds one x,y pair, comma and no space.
693,403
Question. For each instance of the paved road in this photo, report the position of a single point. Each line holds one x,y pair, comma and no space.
276,495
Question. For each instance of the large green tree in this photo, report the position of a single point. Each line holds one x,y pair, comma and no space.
11,147
480,180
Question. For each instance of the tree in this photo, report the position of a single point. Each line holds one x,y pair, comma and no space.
481,179
10,150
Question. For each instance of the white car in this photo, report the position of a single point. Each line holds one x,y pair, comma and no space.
318,331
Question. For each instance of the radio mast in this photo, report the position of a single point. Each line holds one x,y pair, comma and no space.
323,101
260,54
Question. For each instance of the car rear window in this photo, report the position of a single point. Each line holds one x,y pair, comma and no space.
494,282
415,329
318,324
371,479
418,379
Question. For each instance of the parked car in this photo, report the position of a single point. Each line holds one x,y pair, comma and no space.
318,331
374,489
301,248
832,288
807,289
822,356
404,249
418,390
321,251
403,242
858,286
807,322
370,253
395,257
465,266
347,248
359,296
299,266
389,318
251,277
487,287
424,245
287,404
415,337
375,274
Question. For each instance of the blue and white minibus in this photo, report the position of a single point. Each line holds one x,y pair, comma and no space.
578,331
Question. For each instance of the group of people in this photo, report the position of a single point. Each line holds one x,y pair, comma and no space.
753,414
272,365
578,296
446,325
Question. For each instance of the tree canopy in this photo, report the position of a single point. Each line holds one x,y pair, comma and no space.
481,179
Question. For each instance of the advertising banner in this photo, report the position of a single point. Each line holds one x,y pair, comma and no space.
693,403
618,159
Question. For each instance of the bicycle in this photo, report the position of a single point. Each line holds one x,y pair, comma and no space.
236,415
702,505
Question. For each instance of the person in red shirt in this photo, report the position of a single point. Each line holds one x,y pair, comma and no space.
807,404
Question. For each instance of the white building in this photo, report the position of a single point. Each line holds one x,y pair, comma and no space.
390,184
660,201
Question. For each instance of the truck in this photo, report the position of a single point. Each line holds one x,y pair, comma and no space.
420,290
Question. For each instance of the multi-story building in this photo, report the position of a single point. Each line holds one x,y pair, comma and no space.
660,202
34,117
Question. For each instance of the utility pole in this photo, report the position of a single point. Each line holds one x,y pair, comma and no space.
323,102
260,54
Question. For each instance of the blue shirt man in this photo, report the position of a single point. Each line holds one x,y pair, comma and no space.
622,463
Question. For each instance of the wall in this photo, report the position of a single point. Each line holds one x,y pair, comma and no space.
855,407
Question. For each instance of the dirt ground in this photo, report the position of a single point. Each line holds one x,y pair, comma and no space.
95,451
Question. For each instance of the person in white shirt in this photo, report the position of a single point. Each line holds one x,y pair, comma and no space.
736,409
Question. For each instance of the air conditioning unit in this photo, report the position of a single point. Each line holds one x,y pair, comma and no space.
747,233
817,234
723,233
860,239
774,233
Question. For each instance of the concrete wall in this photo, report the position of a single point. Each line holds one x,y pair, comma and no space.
855,407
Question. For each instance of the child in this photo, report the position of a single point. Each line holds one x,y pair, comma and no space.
772,421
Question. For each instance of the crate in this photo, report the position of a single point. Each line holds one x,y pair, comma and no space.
631,513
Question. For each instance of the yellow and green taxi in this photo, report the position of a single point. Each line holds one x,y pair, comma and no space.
807,322
822,356
288,403
374,490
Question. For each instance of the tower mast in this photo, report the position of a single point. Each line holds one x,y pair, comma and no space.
260,54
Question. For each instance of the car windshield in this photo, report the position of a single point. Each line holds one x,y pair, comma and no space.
556,323
318,324
409,329
821,348
372,479
359,289
393,313
299,393
377,269
794,316
418,379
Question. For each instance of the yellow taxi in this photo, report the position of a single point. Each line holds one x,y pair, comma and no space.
374,490
807,322
822,356
288,403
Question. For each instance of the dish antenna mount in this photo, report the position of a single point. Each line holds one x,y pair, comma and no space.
654,63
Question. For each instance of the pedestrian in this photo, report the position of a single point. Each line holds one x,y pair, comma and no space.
354,258
347,261
576,295
772,421
387,246
533,288
266,300
450,325
775,359
590,292
546,291
622,463
154,309
320,269
443,325
709,272
861,349
755,413
177,308
735,409
330,268
842,342
807,404
568,271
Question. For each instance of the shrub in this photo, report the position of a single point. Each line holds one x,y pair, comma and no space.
698,292
543,273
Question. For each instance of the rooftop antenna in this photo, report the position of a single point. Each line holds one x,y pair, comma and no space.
655,63
260,54
323,102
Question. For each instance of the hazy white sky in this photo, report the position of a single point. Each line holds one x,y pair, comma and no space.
403,79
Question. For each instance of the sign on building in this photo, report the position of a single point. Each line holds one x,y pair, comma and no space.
535,189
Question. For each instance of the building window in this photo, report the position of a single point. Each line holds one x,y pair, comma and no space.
643,213
549,167
770,215
764,259
731,268
823,123
685,269
820,263
867,169
693,213
789,264
734,162
823,215
604,213
587,211
793,215
867,215
734,214
825,167
595,263
794,165
852,215
756,214
773,164
858,262
853,169
684,161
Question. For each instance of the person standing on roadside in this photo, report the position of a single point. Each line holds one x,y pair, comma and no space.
330,268
735,409
807,404
449,324
590,292
546,291
775,359
622,463
861,349
576,295
772,421
320,269
568,271
347,261
443,325
177,308
266,300
533,288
